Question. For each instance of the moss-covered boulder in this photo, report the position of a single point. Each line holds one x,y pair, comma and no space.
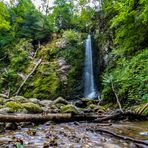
60,100
69,109
32,107
95,108
15,106
20,99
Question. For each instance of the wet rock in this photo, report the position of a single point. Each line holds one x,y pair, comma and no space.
11,126
69,109
34,100
32,107
45,103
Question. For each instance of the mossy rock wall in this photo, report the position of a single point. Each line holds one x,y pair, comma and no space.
61,70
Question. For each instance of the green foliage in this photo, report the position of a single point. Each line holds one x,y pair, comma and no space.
62,14
124,37
129,82
72,36
4,18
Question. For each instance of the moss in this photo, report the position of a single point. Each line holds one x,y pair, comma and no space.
60,100
59,105
15,106
44,84
32,108
69,109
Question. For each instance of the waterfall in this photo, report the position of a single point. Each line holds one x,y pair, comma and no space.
89,85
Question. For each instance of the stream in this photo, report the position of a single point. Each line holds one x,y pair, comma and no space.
74,135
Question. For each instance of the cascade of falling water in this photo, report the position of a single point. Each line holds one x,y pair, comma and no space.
89,85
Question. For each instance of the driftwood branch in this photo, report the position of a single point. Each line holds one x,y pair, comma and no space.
122,137
36,66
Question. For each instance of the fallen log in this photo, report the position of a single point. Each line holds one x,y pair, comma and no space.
65,117
121,136
47,117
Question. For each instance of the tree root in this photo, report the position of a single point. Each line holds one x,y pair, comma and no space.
121,137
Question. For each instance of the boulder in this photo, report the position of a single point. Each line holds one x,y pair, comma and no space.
69,109
60,100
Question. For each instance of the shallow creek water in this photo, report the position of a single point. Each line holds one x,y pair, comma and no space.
75,135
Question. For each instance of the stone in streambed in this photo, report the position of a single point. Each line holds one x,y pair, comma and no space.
69,109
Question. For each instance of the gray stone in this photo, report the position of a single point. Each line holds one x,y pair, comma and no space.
5,110
45,103
34,100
